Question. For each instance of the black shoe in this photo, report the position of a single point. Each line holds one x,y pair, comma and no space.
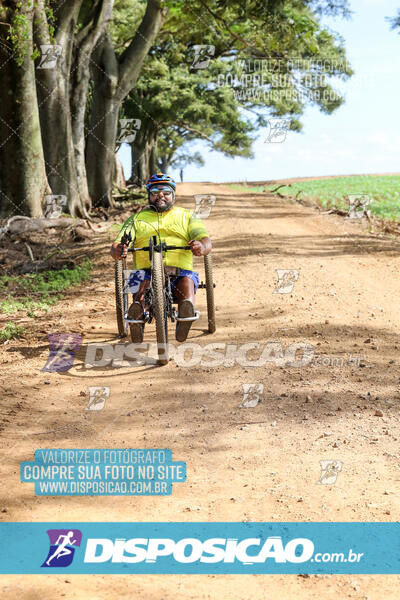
137,329
186,309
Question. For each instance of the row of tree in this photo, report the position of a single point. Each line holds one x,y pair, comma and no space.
182,70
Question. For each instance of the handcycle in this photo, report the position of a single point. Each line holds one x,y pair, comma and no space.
158,296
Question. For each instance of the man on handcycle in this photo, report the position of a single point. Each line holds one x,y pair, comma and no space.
176,226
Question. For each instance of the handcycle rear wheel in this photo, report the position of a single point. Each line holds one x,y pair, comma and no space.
121,299
159,308
210,293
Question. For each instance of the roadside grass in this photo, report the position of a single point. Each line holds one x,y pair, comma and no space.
11,331
383,190
38,291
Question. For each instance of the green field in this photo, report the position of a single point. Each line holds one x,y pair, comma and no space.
383,190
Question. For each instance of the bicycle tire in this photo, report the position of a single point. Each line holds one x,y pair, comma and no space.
121,299
210,293
159,308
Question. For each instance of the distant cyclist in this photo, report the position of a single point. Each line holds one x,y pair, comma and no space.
177,226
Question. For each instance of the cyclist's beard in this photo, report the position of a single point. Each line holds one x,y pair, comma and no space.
162,206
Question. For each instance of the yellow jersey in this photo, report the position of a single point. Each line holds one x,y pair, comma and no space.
176,227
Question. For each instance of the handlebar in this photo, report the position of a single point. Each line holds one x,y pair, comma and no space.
146,248
127,238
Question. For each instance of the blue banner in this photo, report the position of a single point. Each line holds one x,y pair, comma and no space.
200,548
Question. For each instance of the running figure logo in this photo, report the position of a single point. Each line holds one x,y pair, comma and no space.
54,206
204,204
252,394
278,129
286,280
202,56
62,550
63,347
358,206
129,129
49,56
97,397
329,471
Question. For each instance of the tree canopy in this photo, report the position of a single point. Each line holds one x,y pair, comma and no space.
183,71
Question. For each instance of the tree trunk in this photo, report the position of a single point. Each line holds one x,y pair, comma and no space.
64,92
163,164
53,86
86,41
153,155
113,80
144,162
78,107
119,177
103,123
23,177
139,160
138,164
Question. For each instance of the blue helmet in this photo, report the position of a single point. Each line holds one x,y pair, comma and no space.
160,178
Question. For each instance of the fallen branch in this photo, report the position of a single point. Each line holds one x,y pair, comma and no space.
38,266
279,187
335,211
20,224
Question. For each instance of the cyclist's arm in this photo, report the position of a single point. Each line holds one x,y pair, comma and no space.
198,236
201,247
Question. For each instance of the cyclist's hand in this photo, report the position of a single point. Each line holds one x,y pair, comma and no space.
116,251
196,247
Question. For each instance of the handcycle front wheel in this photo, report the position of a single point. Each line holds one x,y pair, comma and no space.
121,298
159,308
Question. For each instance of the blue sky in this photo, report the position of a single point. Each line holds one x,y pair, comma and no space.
362,136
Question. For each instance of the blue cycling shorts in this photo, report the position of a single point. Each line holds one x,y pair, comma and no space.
175,278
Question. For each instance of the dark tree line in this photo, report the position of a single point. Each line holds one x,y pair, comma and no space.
71,70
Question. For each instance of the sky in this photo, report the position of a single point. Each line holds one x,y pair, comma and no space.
362,136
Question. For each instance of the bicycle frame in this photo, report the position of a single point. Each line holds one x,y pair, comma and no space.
171,312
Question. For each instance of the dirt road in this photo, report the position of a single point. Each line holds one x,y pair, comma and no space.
255,464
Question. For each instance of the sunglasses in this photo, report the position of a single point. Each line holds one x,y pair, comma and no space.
156,191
